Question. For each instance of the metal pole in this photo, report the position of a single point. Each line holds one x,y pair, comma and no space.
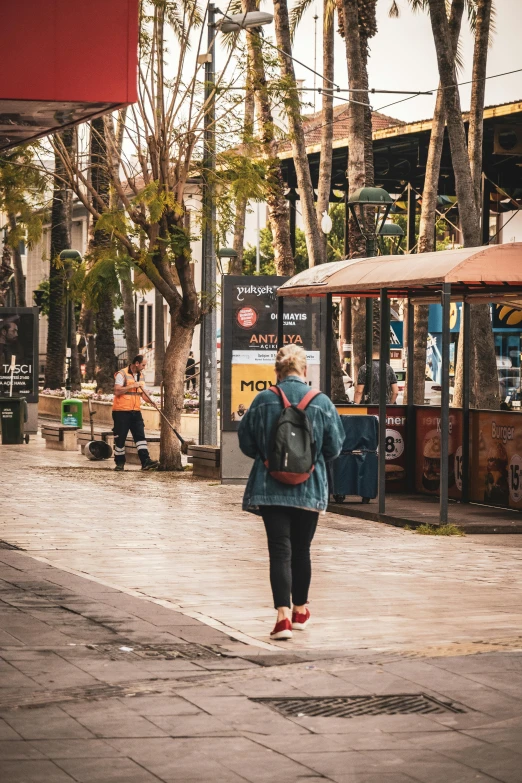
384,341
293,223
370,252
280,314
208,365
328,347
410,415
410,234
486,209
465,403
444,409
369,347
258,241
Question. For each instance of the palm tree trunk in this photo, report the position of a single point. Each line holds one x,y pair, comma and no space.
297,136
478,88
459,153
485,366
61,219
19,280
428,216
357,80
129,313
277,204
327,116
236,264
104,316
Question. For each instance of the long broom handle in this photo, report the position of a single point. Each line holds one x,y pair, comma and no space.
176,433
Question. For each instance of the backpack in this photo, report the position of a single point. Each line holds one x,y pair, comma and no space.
291,450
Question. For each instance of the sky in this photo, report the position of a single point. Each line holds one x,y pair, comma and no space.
403,57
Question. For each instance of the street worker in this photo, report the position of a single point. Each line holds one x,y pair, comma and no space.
290,431
126,413
362,389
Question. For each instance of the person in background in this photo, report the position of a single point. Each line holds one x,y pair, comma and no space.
126,413
362,389
289,511
190,372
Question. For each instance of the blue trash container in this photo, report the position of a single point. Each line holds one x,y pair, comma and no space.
355,471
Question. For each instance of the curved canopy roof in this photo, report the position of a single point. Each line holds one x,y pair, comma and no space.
487,270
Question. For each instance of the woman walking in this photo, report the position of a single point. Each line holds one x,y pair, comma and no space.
276,435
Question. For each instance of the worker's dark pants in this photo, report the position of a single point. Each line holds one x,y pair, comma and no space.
123,422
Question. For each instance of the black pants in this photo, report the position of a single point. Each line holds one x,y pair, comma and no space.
290,532
123,422
191,381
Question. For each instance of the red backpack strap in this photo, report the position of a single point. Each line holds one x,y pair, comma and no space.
282,396
307,399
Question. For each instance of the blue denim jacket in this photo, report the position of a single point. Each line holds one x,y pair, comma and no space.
254,432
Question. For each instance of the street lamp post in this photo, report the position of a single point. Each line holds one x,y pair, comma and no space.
370,208
208,359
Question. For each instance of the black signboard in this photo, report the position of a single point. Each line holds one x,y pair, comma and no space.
19,352
249,340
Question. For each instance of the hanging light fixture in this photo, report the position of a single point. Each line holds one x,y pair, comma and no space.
369,208
395,233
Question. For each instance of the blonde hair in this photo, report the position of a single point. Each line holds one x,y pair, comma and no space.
290,359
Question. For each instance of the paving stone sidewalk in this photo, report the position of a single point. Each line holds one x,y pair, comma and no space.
98,686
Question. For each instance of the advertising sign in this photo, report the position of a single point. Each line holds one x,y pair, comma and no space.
428,451
250,340
496,458
19,352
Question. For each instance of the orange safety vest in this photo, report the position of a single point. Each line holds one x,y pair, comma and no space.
131,400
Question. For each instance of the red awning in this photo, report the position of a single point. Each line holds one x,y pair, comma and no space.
64,62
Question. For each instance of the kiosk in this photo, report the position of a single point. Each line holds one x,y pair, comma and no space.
476,456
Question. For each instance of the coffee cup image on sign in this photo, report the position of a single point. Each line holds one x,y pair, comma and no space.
431,451
496,491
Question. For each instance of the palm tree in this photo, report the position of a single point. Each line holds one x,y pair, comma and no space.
486,391
275,190
99,242
297,136
426,241
484,12
236,264
61,218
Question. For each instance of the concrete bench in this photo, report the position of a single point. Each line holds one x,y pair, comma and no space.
84,437
59,437
206,461
131,452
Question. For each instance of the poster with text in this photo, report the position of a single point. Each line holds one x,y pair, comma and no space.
19,353
496,458
428,450
250,340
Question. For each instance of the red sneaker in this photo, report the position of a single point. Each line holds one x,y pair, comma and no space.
282,630
300,621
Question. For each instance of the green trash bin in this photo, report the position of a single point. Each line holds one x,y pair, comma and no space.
13,414
72,413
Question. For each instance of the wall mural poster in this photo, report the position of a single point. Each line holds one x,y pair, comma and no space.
428,449
250,340
19,353
496,460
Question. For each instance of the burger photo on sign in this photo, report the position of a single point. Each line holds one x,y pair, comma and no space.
431,462
496,491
